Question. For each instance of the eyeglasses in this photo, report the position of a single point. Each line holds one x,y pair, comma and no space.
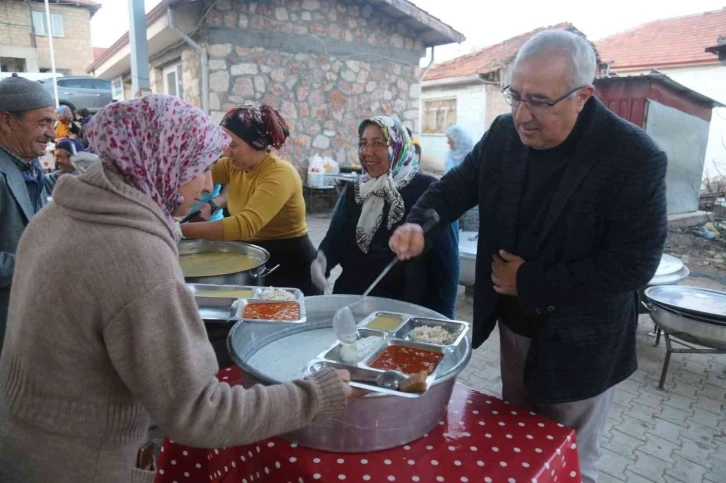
375,145
535,106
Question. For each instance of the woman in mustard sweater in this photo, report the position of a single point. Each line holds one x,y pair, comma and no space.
264,197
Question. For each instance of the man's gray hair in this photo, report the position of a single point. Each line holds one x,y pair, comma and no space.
580,53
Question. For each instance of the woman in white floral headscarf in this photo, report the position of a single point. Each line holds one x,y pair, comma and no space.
366,216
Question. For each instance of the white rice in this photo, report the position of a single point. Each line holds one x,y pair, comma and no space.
273,293
358,350
432,335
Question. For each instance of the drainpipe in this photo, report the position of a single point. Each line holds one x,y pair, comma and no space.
202,53
32,27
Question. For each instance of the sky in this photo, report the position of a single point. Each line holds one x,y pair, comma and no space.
484,22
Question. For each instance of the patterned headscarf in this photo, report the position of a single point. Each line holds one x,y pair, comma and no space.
260,127
65,114
463,144
374,193
157,143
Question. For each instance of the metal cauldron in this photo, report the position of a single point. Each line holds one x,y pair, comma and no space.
375,422
670,271
689,322
253,276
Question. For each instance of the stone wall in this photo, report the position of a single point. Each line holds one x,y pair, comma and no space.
73,51
324,64
192,76
16,28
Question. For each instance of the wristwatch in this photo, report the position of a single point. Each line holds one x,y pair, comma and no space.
213,205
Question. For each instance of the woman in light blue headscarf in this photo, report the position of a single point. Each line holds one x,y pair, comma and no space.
460,143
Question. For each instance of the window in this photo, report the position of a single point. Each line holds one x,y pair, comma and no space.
439,115
41,25
85,83
173,80
72,83
117,89
100,85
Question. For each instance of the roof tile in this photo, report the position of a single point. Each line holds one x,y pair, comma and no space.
488,59
671,41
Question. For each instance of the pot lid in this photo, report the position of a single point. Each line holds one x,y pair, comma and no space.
694,300
670,279
668,266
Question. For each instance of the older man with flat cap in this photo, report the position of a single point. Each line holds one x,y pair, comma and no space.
572,211
27,112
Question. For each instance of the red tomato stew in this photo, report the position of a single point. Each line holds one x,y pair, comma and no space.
407,360
272,311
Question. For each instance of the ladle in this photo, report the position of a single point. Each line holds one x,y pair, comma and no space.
344,323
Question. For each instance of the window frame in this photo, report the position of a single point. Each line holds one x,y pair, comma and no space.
117,89
176,69
40,24
439,130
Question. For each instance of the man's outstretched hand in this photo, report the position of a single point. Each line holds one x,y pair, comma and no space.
407,241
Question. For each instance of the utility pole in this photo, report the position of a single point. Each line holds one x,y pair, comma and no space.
139,51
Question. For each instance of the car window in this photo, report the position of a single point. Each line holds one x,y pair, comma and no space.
71,83
85,83
100,84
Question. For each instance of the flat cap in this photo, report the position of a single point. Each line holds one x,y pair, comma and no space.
19,94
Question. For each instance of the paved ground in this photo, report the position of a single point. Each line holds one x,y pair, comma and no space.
676,435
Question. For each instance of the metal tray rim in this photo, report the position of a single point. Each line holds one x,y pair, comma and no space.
463,329
362,385
322,356
244,302
193,287
652,292
232,309
364,323
444,350
299,295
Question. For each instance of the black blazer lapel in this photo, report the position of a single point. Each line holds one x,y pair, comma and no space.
578,167
513,176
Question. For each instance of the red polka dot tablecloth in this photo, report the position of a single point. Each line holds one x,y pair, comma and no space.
481,439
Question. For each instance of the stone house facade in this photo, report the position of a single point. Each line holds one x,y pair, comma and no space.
24,45
324,64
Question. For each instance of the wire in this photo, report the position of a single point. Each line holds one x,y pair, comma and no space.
717,278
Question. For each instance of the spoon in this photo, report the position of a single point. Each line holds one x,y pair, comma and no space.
386,380
344,323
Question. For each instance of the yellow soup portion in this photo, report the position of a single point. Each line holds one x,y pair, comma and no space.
385,322
212,264
234,294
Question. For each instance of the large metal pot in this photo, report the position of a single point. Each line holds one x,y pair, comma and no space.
253,276
690,328
375,422
705,327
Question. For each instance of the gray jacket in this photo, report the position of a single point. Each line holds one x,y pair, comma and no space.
16,210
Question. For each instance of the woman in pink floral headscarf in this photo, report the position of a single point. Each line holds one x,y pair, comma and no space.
102,331
159,144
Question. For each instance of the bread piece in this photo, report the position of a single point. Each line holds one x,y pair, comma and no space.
415,383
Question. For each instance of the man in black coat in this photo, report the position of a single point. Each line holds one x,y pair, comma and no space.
572,212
